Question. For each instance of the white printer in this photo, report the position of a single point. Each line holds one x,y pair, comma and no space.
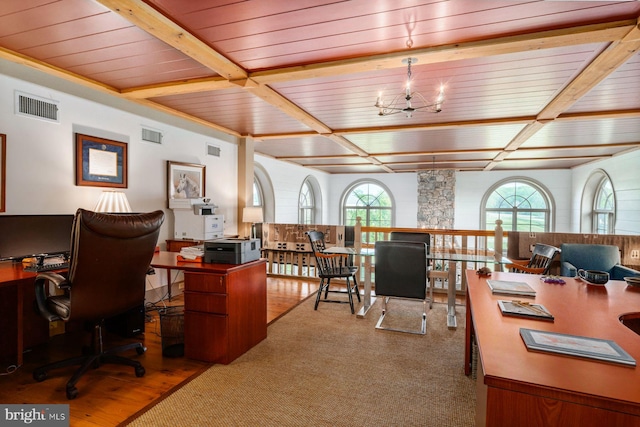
196,219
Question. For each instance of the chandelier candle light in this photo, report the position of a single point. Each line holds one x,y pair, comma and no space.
397,106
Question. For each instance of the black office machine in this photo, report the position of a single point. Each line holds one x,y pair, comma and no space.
231,251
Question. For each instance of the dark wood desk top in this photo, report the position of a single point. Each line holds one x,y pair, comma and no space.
11,271
169,260
579,309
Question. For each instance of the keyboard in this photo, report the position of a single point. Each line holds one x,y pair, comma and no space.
47,267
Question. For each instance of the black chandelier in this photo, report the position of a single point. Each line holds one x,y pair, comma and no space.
402,103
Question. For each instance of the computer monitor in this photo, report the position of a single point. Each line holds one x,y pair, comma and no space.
26,235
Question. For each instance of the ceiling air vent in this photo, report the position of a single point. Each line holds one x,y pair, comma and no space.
151,136
35,106
213,150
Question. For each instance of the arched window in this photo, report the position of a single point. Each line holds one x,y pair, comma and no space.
521,204
306,204
371,202
263,194
258,196
604,206
598,204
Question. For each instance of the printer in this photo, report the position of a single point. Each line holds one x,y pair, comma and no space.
196,219
231,251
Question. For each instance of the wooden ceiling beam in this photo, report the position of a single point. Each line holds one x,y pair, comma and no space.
155,23
179,88
595,33
343,142
615,55
92,84
273,98
331,157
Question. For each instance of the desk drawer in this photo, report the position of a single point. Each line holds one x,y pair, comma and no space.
205,302
205,282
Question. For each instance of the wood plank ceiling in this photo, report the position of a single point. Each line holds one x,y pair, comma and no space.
528,84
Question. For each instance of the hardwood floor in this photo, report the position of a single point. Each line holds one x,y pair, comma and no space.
112,394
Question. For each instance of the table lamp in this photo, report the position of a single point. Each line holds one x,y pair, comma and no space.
252,214
112,201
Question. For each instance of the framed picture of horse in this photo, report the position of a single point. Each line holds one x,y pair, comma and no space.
100,162
185,180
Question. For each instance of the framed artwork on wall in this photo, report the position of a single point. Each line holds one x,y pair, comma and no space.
3,170
100,162
185,180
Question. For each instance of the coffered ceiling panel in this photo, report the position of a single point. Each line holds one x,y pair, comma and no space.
554,163
234,109
587,133
433,141
527,84
301,148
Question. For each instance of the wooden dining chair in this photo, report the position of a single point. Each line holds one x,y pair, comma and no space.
539,263
333,266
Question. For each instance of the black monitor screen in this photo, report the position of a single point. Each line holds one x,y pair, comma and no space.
26,235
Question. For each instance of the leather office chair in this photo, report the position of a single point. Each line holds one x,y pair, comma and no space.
401,272
408,236
539,263
333,266
110,257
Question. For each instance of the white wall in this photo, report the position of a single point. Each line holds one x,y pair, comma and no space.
41,157
287,180
624,172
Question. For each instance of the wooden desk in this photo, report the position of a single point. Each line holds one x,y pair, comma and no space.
21,326
225,307
518,387
174,245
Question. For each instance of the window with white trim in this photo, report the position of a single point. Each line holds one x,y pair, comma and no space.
521,204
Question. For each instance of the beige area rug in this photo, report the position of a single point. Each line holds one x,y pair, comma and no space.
329,368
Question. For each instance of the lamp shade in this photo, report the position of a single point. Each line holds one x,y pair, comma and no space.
112,201
252,214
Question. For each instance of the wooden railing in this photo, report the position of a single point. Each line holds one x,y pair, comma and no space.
300,263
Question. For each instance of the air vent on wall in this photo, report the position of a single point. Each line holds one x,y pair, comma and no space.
35,106
213,150
151,136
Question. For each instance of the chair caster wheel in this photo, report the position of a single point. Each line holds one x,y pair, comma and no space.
39,376
141,350
140,371
72,393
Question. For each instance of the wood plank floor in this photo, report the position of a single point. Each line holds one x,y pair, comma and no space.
112,394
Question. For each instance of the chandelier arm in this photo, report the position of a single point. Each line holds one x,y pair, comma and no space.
406,106
436,106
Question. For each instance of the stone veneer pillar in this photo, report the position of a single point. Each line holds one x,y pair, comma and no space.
436,198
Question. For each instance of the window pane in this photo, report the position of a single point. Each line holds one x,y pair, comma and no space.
517,200
371,203
605,197
257,193
531,221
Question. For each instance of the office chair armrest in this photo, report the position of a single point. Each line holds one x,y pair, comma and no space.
41,284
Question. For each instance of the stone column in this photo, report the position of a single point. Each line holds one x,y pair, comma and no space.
436,198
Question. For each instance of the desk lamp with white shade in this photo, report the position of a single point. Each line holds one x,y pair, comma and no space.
112,201
252,214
